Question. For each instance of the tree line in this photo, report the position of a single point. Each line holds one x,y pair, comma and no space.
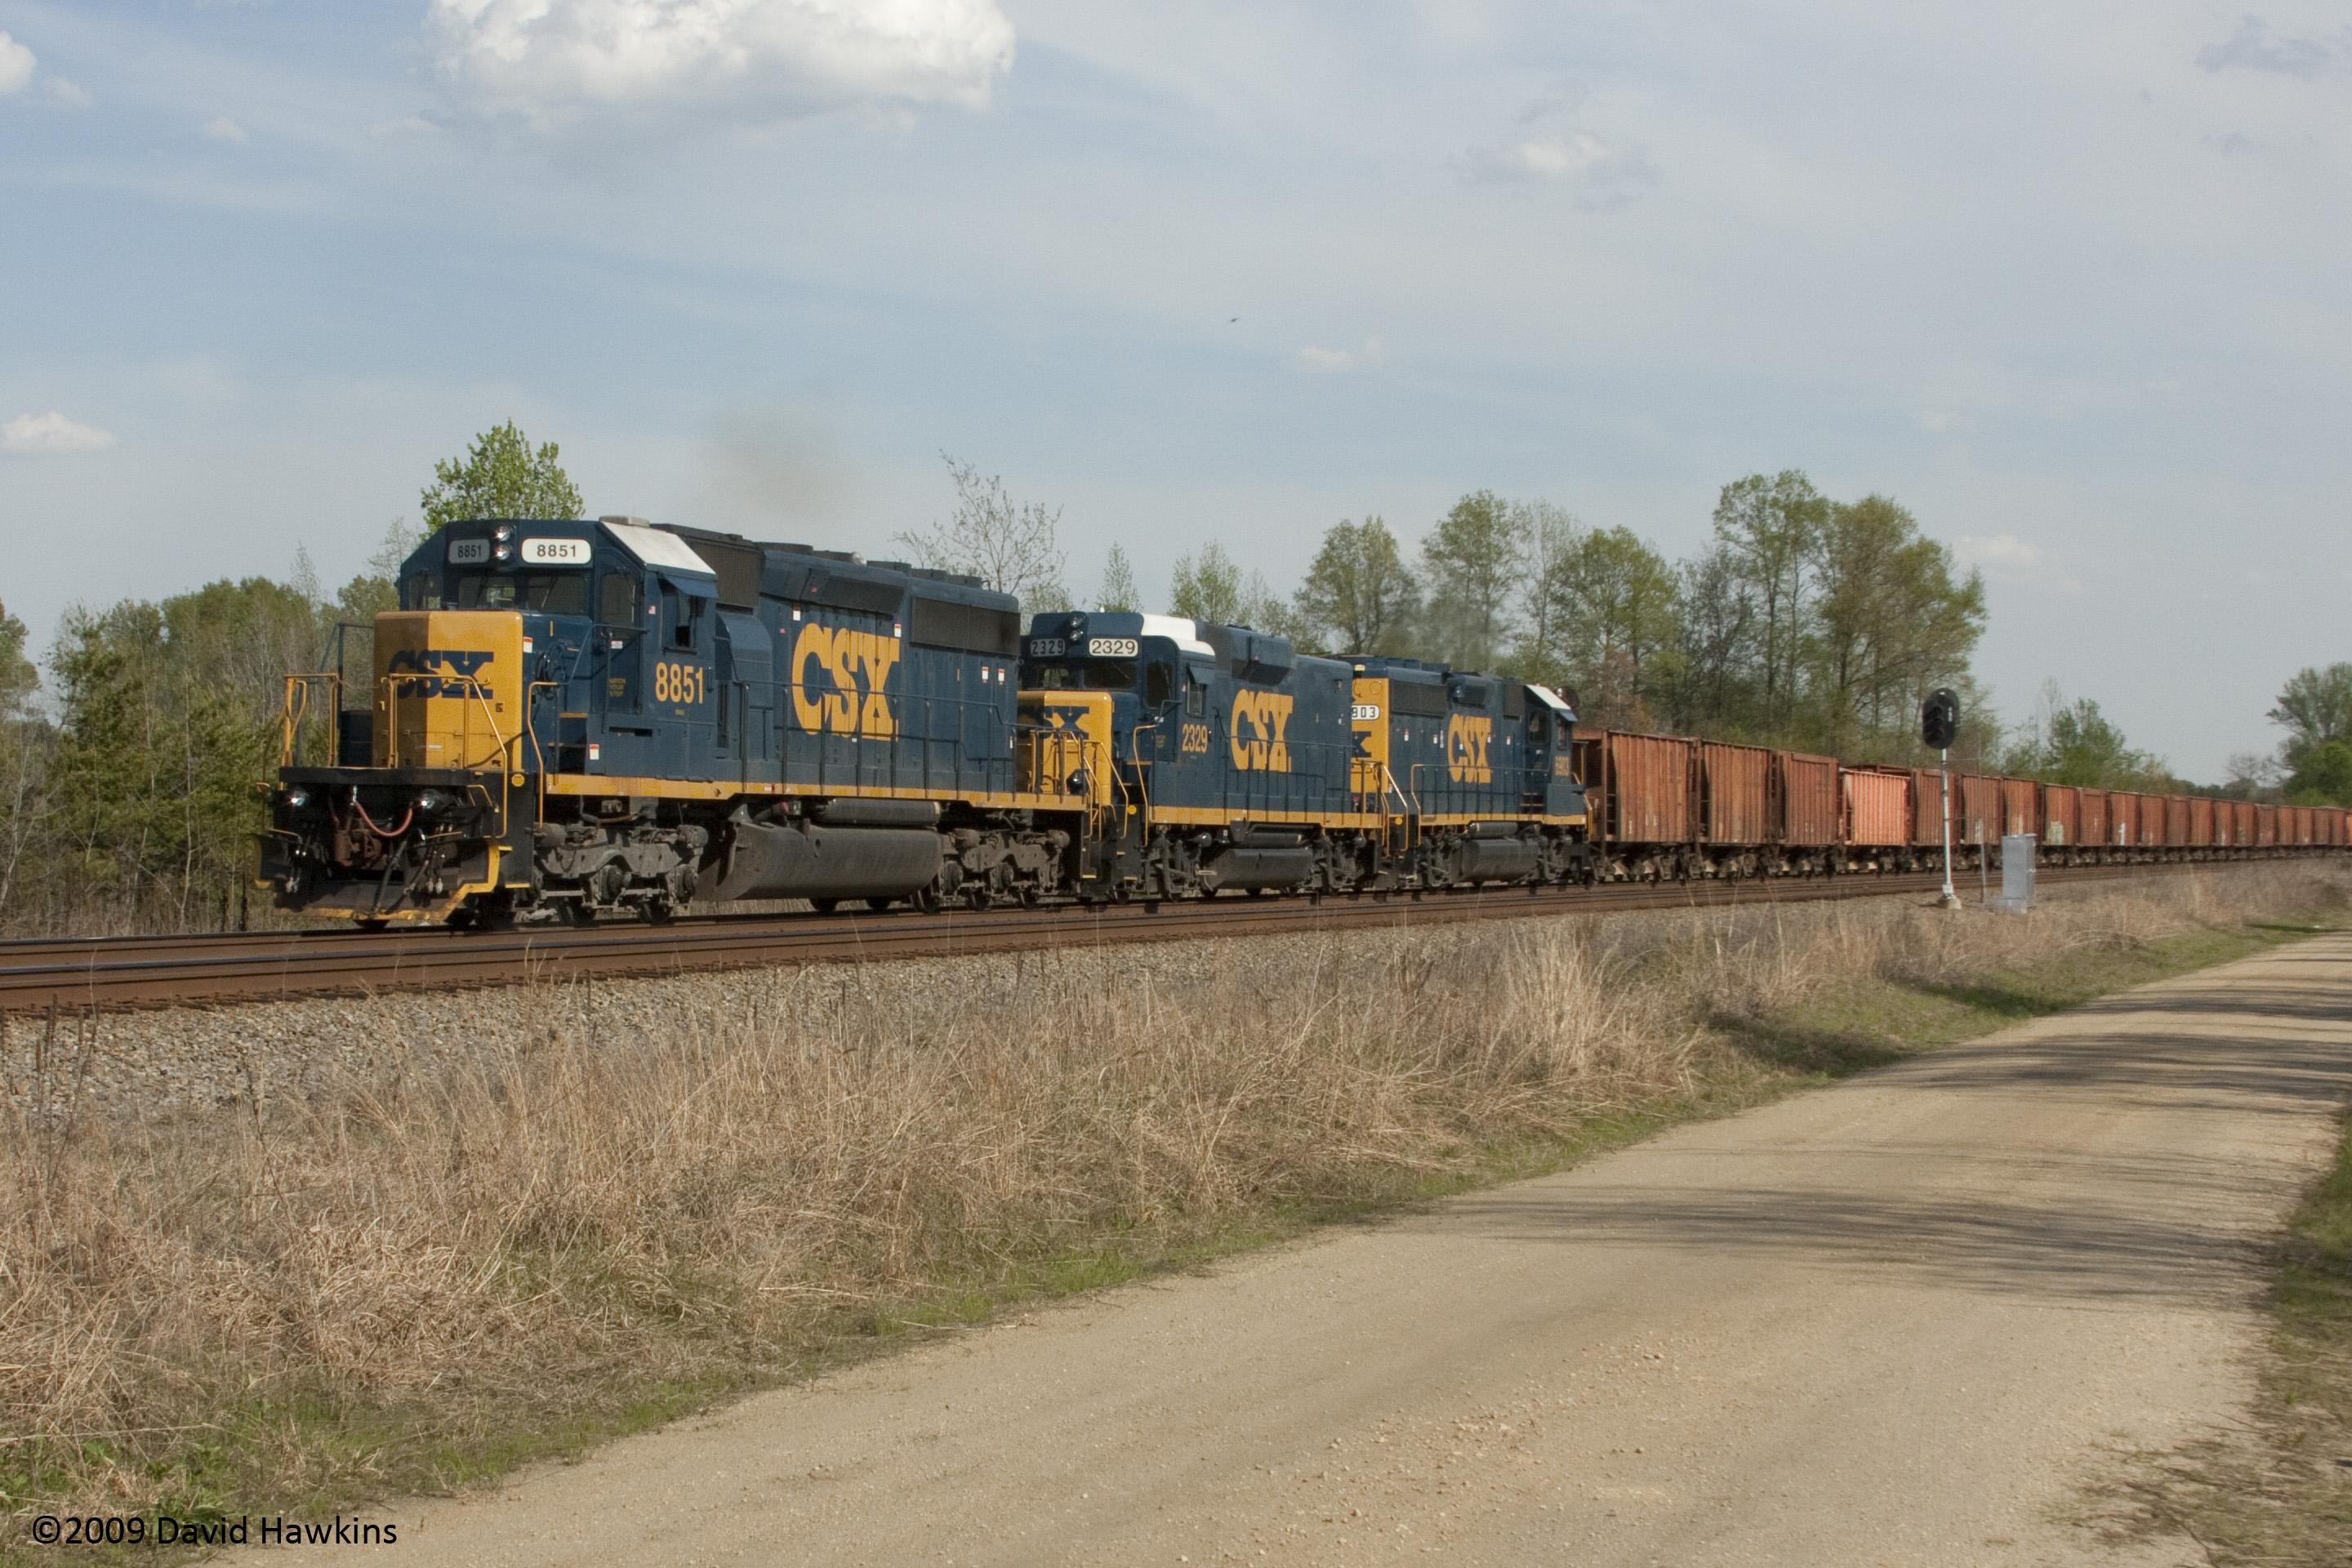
132,777
1803,621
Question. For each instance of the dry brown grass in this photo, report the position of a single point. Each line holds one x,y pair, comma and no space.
387,1283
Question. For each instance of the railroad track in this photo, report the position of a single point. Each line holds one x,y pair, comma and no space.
84,973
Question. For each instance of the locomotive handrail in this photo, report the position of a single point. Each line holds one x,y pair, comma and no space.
294,709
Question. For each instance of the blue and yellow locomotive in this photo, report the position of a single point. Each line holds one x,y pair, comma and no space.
566,718
1242,764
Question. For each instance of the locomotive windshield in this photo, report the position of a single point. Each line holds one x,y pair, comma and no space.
1088,675
548,593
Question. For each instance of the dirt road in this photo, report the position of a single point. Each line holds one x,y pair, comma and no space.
1899,1320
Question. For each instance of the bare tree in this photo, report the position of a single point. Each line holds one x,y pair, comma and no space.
1012,547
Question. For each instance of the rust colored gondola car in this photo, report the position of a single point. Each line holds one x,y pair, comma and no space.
1928,809
2266,826
1876,808
2061,820
1807,818
2152,833
2200,823
2092,806
1976,817
1735,807
1646,782
2179,822
2020,807
2247,826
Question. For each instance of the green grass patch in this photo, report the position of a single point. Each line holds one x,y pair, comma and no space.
1871,1023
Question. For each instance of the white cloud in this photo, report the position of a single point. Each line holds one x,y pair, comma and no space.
66,94
2252,47
1548,146
1342,362
50,435
224,128
551,63
16,63
2007,555
403,128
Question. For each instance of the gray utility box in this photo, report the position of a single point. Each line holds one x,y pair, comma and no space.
2016,872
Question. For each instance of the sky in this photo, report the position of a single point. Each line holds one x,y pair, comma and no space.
2069,283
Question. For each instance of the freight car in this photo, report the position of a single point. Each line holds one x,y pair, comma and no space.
1670,806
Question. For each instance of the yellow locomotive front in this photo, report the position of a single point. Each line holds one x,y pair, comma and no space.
434,815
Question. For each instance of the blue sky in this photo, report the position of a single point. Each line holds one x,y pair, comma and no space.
2068,282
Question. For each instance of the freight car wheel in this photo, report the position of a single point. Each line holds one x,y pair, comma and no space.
372,925
824,906
879,905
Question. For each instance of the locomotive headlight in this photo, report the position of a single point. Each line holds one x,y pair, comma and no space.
432,802
503,553
294,799
503,532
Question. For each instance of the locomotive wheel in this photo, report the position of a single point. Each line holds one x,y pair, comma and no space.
577,913
658,911
372,925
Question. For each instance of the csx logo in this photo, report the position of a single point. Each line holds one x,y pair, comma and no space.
437,672
1466,739
1259,719
838,682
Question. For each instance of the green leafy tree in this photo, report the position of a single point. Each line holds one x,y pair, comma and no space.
1617,603
1119,593
1889,625
1209,587
2316,706
500,476
1358,597
2074,744
1474,563
2324,776
1705,691
17,676
1770,527
23,757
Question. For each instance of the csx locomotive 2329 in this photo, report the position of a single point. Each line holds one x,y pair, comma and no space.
568,718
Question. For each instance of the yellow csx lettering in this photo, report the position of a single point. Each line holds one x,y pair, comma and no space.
1466,739
1259,719
838,679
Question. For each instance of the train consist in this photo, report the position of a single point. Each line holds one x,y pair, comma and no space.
571,719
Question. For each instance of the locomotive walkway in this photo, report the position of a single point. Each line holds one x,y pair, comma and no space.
1900,1320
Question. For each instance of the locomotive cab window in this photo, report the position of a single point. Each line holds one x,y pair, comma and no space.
1158,685
1196,696
616,600
683,615
548,593
422,592
1089,675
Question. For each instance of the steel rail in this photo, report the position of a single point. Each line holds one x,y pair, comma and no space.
134,972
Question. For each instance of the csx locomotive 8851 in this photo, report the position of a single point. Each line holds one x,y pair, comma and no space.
566,719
